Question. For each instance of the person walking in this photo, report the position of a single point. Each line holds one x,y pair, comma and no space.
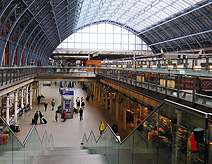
39,97
88,97
92,96
53,103
56,117
64,116
45,105
82,102
36,117
41,116
81,114
115,128
101,127
78,101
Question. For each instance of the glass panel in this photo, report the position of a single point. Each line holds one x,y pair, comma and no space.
210,143
84,141
111,146
18,151
33,145
6,138
45,142
176,128
126,151
172,134
144,149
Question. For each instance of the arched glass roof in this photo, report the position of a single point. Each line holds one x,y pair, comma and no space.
135,14
104,37
31,30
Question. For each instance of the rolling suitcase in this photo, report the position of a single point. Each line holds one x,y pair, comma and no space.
44,121
78,103
33,121
82,104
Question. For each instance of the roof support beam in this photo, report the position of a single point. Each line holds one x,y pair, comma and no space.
55,18
166,41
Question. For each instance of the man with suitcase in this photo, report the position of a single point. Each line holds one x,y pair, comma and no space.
36,117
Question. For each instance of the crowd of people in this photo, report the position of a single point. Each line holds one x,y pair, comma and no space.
78,109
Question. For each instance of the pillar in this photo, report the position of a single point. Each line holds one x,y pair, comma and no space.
34,92
37,89
8,109
135,112
111,102
124,112
117,107
16,106
27,94
102,94
97,92
99,95
178,113
93,88
106,102
30,96
22,97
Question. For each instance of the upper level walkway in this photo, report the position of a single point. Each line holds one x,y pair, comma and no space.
190,85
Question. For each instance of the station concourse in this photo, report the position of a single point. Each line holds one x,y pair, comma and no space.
69,133
147,63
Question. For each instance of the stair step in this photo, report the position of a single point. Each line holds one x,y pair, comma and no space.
67,148
69,159
66,152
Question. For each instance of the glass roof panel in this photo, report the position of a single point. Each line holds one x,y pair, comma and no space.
136,14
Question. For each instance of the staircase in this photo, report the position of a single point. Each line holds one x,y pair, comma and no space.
69,155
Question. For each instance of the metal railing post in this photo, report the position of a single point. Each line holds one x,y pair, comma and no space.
148,76
6,75
178,87
166,84
194,91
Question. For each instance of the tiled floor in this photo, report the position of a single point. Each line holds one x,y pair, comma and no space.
69,133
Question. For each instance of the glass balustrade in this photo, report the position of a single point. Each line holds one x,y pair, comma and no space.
172,133
12,151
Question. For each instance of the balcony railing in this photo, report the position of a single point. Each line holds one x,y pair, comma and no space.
194,87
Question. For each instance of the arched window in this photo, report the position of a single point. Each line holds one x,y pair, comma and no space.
104,37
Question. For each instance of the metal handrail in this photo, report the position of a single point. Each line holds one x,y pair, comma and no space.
25,140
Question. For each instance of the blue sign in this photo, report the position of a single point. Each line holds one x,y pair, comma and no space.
65,92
